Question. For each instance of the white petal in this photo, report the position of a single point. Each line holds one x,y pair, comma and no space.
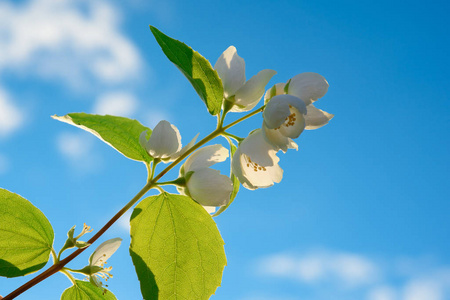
231,69
276,112
255,163
164,141
294,126
260,152
242,108
252,91
308,86
104,251
278,140
205,157
208,187
277,89
257,176
238,171
316,118
278,109
184,149
296,102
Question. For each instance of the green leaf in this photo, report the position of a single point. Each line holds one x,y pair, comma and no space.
84,290
196,68
234,180
176,248
120,133
26,236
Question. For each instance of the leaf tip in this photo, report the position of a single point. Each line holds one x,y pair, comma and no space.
154,30
65,119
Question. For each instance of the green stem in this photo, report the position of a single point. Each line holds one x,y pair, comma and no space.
150,184
176,182
59,254
221,117
72,279
54,256
149,172
244,117
238,139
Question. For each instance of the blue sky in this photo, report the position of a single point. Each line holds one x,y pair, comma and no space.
362,211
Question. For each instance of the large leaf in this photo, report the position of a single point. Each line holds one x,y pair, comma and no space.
176,248
26,236
196,68
120,133
234,180
84,290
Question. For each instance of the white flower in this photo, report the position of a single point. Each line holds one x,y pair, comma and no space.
98,260
309,87
244,94
165,142
283,121
206,186
255,163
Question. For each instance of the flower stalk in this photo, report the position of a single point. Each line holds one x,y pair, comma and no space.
152,183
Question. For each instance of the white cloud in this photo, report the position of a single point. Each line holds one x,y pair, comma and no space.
382,293
73,40
4,164
11,117
73,146
347,269
118,104
353,269
77,149
356,276
423,289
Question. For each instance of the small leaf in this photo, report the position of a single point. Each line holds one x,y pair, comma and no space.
120,133
234,180
176,248
84,290
196,68
26,236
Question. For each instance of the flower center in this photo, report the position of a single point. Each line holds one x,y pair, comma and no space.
253,165
289,121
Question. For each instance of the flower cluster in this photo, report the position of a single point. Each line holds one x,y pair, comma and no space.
288,111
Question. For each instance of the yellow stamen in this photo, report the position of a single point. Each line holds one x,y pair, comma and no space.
253,165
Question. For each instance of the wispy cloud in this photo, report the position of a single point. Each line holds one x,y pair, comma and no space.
70,40
424,289
77,149
350,275
11,117
322,266
118,104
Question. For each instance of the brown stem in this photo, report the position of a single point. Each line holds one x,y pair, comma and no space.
59,265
